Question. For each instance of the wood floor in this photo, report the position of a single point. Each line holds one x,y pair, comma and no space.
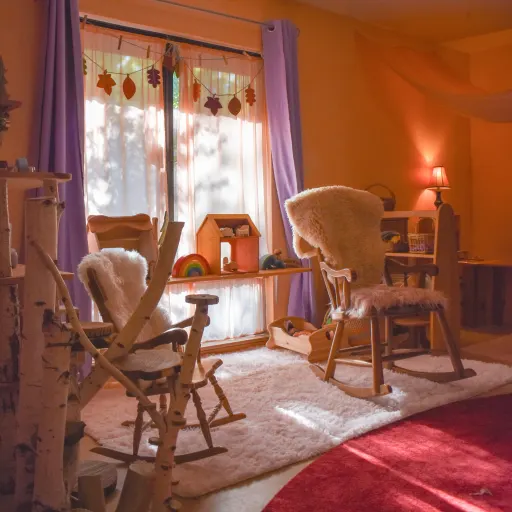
254,495
257,493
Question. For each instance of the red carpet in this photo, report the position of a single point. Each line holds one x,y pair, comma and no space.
435,461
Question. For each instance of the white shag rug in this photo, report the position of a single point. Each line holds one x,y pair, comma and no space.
291,414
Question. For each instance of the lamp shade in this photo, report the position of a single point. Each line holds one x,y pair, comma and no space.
438,180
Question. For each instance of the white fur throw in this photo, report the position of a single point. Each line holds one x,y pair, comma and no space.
344,223
382,297
122,276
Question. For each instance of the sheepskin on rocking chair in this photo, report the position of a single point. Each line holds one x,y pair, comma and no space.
342,227
116,281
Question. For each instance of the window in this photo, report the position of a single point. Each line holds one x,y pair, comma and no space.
220,163
124,138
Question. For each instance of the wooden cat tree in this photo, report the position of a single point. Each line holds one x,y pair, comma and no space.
38,389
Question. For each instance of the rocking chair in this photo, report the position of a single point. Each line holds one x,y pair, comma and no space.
115,280
341,226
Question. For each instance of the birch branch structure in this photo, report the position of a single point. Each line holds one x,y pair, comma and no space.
9,351
39,294
99,358
181,384
50,494
126,338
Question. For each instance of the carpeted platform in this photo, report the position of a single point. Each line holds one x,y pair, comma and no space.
451,459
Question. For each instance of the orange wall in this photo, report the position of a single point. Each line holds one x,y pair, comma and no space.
20,35
491,153
355,132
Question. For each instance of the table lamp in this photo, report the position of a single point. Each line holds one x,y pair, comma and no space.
438,182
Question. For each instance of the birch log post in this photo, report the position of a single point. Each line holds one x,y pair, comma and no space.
39,294
9,351
162,497
138,488
50,494
126,338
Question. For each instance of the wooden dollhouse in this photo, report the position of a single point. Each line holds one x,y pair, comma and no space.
244,248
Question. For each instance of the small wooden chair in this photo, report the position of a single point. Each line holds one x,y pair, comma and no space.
342,225
104,274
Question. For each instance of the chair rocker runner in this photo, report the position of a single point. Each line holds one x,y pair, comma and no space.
101,272
345,232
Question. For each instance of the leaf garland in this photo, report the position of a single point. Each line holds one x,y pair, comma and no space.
196,90
106,82
250,96
153,77
234,106
129,87
214,104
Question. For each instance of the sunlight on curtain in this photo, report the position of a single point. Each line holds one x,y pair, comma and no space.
222,167
125,139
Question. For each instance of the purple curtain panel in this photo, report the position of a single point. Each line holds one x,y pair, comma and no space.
59,133
283,106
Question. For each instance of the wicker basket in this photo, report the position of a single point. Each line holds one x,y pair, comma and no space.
421,242
389,202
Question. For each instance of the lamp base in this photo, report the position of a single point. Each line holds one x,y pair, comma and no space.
439,200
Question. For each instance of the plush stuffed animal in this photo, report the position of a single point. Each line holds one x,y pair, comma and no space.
270,262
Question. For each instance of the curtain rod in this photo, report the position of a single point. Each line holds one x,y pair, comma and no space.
167,37
216,13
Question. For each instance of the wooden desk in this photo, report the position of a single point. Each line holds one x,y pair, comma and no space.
486,292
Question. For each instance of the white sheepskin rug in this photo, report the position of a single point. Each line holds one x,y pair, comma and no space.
291,414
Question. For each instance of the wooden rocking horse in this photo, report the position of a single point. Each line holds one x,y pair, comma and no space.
341,226
115,280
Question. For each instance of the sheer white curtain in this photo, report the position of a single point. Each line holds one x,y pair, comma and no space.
223,165
125,138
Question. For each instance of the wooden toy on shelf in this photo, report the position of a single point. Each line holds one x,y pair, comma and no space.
229,266
244,249
192,265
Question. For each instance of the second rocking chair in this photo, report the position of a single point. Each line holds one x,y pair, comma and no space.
341,226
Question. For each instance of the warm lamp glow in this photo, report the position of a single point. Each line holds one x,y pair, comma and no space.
438,180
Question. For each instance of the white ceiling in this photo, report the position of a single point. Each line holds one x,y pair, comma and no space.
436,20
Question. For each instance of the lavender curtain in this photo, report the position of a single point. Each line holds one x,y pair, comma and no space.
283,106
59,132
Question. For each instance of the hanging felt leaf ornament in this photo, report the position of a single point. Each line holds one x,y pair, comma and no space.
153,77
129,87
84,65
234,106
196,90
213,104
250,96
177,67
106,82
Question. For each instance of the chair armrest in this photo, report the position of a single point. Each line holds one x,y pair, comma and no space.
348,274
337,283
174,336
184,323
397,267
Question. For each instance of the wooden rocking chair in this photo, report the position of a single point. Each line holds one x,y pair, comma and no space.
117,264
346,231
